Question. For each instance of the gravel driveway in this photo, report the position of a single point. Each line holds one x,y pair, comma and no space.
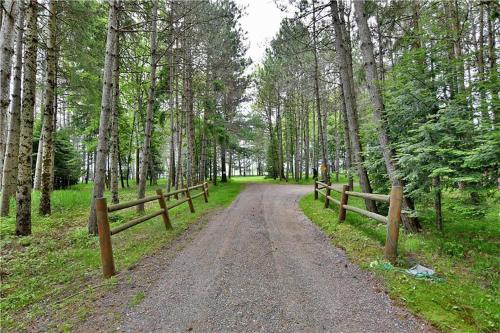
262,266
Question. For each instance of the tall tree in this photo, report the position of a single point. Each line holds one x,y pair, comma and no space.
10,169
48,123
321,128
350,100
370,66
115,109
7,33
106,100
148,127
23,194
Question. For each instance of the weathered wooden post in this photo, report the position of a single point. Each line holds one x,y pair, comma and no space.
343,201
394,217
206,187
190,200
205,196
315,190
328,192
163,205
108,265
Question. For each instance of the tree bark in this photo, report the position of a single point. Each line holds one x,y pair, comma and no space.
223,178
214,168
23,194
307,144
37,181
410,224
48,123
148,128
7,34
107,91
171,71
436,183
10,169
350,103
115,116
279,132
189,109
324,168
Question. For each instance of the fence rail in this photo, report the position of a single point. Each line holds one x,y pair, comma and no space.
392,220
105,233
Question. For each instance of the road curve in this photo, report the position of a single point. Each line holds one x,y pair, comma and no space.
262,266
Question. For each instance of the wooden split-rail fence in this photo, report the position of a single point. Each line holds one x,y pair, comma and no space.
105,233
394,199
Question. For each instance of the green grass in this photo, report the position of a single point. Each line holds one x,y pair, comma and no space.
61,259
466,256
291,180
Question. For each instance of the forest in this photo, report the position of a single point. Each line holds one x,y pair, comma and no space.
116,98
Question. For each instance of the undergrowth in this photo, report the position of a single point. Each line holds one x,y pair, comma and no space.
465,257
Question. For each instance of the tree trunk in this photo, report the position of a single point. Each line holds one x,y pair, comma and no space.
23,194
324,167
7,34
214,168
307,144
178,177
107,91
350,103
37,181
48,123
148,128
493,64
436,183
130,147
230,164
12,149
223,178
115,116
171,69
410,224
189,109
279,132
336,118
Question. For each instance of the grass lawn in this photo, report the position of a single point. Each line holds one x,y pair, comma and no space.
61,259
466,256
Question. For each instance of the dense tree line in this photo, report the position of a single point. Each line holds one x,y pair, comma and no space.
122,92
117,92
389,91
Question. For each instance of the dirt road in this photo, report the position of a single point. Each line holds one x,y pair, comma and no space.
262,266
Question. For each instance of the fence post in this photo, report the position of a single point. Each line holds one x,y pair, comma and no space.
163,205
190,201
206,187
343,201
108,265
205,195
315,190
328,192
391,241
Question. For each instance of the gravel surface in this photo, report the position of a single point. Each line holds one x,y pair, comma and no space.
262,266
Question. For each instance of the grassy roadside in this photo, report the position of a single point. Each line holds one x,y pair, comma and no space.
59,259
466,257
